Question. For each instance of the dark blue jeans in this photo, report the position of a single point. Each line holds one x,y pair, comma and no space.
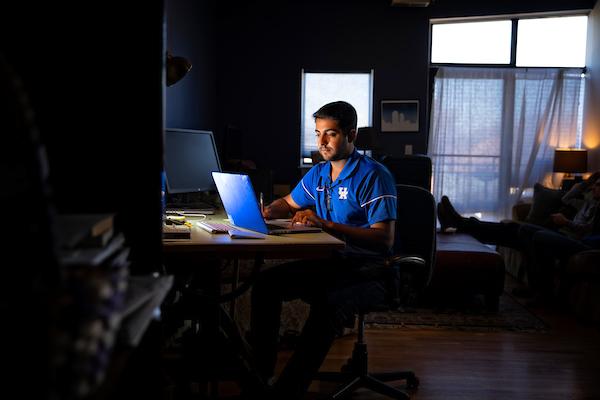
336,290
541,246
501,233
547,248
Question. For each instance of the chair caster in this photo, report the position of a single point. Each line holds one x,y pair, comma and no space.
412,382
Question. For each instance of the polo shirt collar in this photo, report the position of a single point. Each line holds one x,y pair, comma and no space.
349,168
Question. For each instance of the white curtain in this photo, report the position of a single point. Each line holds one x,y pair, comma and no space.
494,130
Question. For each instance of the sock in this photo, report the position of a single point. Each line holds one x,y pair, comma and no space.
453,218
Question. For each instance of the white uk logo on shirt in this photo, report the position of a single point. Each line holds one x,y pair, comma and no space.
343,193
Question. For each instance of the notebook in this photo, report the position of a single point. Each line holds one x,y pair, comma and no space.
243,210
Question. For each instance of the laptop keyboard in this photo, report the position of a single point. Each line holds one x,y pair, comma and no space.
273,226
289,226
219,227
189,212
214,227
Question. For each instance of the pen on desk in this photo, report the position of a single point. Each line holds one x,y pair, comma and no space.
262,203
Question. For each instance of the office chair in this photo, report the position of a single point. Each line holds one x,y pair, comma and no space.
411,268
410,169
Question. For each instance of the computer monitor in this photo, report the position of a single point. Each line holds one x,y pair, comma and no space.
190,158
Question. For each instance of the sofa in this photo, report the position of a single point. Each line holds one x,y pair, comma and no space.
578,278
582,277
536,210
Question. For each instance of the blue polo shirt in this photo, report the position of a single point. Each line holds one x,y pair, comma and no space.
364,193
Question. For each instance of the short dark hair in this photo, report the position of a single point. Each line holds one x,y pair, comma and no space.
340,111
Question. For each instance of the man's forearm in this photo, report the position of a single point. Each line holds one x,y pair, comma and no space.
373,238
280,209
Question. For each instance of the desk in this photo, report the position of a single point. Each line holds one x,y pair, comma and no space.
203,245
203,252
296,245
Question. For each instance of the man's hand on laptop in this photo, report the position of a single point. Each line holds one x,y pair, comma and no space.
272,211
309,218
267,212
280,208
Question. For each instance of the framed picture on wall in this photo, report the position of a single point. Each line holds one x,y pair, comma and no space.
399,115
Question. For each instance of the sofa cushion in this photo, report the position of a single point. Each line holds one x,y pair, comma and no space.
465,265
546,201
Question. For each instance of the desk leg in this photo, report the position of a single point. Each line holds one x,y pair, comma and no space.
234,284
199,372
231,332
229,329
214,331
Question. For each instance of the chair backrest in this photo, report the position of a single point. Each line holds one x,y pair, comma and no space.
410,169
416,227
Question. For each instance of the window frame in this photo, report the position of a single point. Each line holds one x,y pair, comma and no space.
514,18
304,162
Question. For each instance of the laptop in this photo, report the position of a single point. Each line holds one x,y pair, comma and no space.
243,210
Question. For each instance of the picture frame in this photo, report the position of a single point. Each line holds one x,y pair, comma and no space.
399,115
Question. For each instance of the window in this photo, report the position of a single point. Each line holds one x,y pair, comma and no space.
494,130
552,42
485,42
539,42
320,88
494,121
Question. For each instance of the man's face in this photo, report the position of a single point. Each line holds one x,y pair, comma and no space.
331,142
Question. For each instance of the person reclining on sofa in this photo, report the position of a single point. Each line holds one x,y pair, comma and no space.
541,245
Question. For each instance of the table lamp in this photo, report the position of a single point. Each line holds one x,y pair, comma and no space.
571,162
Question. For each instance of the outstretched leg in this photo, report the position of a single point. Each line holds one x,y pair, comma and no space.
502,233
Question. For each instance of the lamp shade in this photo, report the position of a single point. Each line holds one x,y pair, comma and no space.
570,160
177,67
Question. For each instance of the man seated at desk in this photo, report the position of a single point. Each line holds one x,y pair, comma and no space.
355,200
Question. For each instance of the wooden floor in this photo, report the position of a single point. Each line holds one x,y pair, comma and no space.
563,363
560,363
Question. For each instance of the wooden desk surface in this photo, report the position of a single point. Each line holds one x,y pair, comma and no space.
303,245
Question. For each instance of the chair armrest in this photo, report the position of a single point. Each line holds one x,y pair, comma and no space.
403,286
398,260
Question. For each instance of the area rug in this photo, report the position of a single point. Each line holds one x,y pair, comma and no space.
456,314
461,315
464,315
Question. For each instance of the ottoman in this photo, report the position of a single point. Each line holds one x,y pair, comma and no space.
465,266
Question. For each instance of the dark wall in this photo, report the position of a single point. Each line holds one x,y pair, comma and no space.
94,74
461,8
591,123
190,103
261,49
